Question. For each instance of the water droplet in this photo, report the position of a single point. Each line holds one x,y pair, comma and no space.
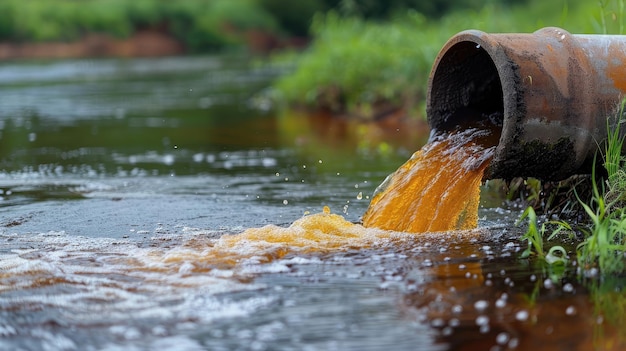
548,284
481,305
437,323
168,159
277,174
198,157
502,338
568,288
359,196
521,315
320,161
285,202
477,46
32,137
482,320
570,310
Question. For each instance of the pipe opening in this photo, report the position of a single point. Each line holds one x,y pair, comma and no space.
465,90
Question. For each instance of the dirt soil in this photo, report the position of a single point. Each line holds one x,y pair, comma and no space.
142,44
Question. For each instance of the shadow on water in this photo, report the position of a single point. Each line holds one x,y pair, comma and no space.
122,180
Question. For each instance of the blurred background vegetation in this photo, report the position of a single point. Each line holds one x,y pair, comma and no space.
373,67
367,58
202,24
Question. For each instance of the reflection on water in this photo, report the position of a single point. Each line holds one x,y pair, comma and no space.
150,204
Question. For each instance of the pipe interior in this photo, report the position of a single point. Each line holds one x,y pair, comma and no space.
466,90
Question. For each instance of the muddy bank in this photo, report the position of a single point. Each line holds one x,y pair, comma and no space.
141,44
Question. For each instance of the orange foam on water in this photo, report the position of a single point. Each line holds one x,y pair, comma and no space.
317,232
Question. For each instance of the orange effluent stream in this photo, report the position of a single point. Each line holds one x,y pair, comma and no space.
438,189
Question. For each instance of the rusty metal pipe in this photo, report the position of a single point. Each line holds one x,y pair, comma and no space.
550,92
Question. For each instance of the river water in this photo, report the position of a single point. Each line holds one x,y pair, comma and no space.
120,178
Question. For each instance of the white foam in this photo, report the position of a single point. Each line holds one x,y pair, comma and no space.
106,279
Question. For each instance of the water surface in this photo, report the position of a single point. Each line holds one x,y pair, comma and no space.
118,178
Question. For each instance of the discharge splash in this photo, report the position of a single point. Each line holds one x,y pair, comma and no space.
438,189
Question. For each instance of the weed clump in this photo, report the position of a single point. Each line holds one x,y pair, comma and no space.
602,249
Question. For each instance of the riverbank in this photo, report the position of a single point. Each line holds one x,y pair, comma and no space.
144,43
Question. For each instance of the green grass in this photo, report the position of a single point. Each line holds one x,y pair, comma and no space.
535,238
604,245
201,25
602,250
355,65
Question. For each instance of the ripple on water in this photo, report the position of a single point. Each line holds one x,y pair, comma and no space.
322,282
109,289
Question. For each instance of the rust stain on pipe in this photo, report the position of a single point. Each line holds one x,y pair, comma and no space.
550,92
